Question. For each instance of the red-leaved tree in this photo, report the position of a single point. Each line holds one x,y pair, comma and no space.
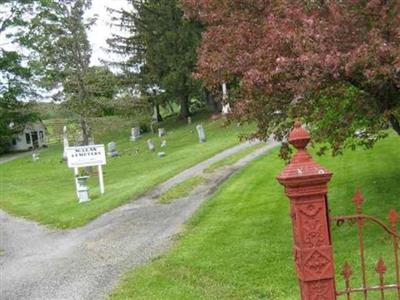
335,64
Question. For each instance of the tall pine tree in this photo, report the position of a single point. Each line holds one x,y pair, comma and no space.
160,50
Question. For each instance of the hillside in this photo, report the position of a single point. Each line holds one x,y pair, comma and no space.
44,191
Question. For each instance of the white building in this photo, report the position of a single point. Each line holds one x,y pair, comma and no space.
33,137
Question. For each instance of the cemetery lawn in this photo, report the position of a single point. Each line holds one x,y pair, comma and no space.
181,189
230,160
239,245
45,191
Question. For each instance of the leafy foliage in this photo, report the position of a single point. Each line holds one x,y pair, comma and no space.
62,53
14,75
334,63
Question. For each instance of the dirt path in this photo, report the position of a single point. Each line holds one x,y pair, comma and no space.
85,263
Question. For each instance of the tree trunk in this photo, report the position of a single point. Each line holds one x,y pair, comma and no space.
395,123
85,132
184,111
158,116
214,106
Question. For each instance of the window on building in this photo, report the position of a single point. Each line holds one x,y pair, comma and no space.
14,142
41,135
28,138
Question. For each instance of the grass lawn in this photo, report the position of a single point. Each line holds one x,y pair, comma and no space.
239,245
181,189
230,160
45,192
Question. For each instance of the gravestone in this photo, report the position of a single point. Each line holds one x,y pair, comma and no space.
226,109
164,143
189,120
35,157
161,154
135,134
151,145
112,149
91,141
79,139
161,132
201,133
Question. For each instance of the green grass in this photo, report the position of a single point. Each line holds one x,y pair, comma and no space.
181,189
239,245
230,160
45,192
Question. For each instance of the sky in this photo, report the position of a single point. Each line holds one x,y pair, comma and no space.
97,36
101,31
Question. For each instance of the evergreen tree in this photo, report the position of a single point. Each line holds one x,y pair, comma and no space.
160,46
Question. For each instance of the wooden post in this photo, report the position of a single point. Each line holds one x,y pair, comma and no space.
101,179
305,184
76,172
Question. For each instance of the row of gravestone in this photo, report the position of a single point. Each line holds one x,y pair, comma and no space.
135,135
113,152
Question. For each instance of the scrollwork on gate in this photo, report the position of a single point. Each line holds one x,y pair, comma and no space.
380,268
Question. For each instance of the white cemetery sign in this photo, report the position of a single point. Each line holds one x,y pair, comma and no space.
87,156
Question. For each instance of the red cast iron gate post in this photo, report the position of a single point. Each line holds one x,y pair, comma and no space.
305,184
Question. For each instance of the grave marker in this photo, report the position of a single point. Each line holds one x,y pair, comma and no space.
201,133
151,145
161,132
135,134
112,149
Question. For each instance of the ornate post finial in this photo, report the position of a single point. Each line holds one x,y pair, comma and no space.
299,137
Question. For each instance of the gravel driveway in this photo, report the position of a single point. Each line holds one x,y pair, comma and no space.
85,263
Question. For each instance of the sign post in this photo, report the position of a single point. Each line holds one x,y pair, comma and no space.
87,156
101,180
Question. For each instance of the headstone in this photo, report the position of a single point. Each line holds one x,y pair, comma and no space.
164,143
189,120
91,141
161,132
112,149
201,133
135,134
79,139
35,157
151,145
226,109
161,154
